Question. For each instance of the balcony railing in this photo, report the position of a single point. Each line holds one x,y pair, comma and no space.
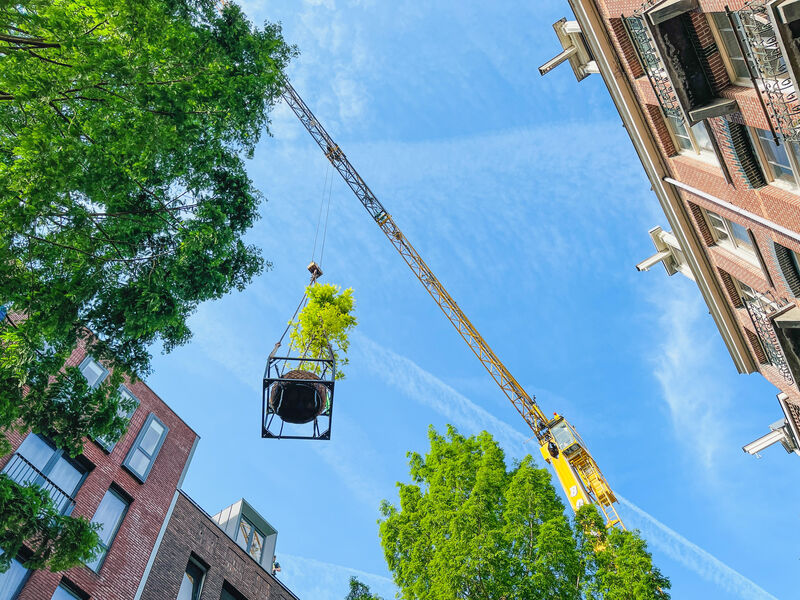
653,66
20,470
762,42
762,313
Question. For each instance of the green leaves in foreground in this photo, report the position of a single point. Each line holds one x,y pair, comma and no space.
124,200
467,527
56,542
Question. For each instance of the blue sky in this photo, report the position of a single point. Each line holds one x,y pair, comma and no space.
525,196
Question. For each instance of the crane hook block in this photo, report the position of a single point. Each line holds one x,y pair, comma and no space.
315,271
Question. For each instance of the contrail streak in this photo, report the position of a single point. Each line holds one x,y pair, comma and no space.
424,387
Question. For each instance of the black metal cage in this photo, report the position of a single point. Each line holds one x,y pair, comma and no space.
297,398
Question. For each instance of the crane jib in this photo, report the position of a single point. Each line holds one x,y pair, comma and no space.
579,470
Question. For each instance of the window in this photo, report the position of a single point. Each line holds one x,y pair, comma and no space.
192,582
250,539
94,372
230,593
109,515
38,462
107,442
781,160
764,59
752,297
11,581
693,141
730,234
144,451
66,591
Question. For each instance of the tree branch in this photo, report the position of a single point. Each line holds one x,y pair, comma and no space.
50,60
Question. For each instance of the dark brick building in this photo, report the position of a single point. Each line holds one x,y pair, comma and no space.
224,557
128,486
708,91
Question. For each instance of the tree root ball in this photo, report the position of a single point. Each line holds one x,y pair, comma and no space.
298,401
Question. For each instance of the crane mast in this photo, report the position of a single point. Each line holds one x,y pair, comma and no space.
560,445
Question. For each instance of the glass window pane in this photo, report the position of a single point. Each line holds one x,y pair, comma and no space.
190,585
107,441
65,475
93,371
701,136
740,234
62,593
109,514
139,462
151,437
718,224
36,451
776,157
679,129
11,580
243,535
256,545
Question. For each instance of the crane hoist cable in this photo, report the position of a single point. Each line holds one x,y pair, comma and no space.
559,443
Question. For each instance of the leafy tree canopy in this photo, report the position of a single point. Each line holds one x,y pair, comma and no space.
123,194
324,322
360,591
468,527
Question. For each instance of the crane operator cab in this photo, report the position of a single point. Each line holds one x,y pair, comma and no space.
564,439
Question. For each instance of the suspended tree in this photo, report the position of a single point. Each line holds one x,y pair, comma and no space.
469,527
123,193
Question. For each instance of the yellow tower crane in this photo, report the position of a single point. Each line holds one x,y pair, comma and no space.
559,443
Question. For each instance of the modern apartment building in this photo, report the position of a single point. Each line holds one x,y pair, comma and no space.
127,486
228,556
156,542
708,91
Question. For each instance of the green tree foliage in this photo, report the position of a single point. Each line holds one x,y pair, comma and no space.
56,541
468,527
324,322
620,565
123,192
360,591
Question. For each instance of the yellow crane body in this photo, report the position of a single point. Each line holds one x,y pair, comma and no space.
573,465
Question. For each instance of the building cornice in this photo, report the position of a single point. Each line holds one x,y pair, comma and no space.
656,168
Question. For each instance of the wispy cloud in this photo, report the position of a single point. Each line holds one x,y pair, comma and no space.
311,578
692,556
424,387
689,377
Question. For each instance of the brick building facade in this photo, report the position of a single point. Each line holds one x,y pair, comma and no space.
198,555
129,486
707,90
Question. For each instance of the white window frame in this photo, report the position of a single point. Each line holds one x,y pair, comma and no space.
696,151
730,242
724,52
766,165
745,292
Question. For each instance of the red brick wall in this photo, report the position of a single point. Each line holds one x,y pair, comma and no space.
625,48
770,202
124,565
191,531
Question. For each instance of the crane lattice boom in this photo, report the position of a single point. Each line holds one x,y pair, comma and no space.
577,465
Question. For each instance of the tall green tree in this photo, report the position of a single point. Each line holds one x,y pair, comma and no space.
123,193
360,591
469,527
